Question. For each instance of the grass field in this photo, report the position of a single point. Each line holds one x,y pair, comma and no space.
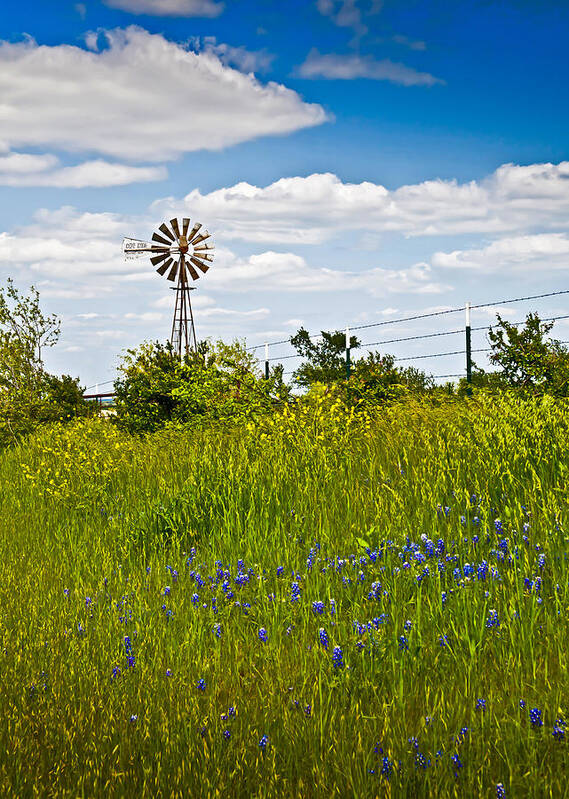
322,605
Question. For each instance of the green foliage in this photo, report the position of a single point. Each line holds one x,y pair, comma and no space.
64,399
29,396
374,378
325,359
221,383
96,530
527,359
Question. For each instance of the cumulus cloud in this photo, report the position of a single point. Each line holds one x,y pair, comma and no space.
278,272
141,97
334,66
245,60
22,169
169,8
313,209
520,253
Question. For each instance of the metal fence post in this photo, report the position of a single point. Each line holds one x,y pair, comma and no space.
347,353
468,352
266,361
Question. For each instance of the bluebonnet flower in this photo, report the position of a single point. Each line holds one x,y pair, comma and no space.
559,730
127,644
500,791
201,684
130,661
338,657
295,592
493,619
195,599
263,635
167,590
226,734
403,643
375,590
456,760
263,743
443,640
66,591
408,624
280,570
541,561
168,673
360,645
308,710
481,705
133,718
522,703
231,712
116,672
217,630
323,635
386,768
535,717
87,601
318,607
332,607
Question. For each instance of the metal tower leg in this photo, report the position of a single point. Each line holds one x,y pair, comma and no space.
183,336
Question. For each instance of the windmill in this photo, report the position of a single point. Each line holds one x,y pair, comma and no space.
179,253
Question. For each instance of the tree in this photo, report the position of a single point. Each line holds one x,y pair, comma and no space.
29,396
527,358
220,382
23,323
325,359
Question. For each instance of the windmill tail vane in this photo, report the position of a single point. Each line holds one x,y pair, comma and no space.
177,252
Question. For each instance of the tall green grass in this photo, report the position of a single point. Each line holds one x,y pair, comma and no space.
102,536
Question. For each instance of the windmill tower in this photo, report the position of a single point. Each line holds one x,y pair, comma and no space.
176,251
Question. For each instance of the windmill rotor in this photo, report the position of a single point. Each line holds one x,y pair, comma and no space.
180,254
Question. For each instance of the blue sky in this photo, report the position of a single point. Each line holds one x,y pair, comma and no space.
356,160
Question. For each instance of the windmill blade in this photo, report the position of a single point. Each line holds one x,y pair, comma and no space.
204,256
164,267
204,247
173,272
193,231
175,228
201,237
185,226
199,264
192,271
161,239
158,258
166,231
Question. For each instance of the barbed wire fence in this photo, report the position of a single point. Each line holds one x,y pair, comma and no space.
466,350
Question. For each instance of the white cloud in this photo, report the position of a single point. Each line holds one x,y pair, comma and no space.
169,8
545,251
148,316
275,271
22,169
349,67
141,98
412,44
349,14
245,60
313,209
